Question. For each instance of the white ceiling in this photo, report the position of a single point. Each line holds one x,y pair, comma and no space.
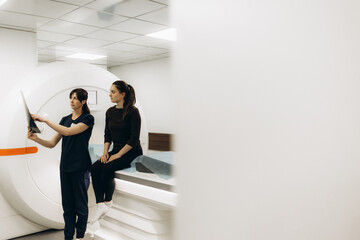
113,28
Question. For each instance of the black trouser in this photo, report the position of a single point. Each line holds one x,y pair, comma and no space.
102,175
74,197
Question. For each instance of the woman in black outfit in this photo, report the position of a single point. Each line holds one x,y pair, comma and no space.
122,128
75,131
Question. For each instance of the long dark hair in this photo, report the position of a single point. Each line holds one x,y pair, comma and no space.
81,94
130,98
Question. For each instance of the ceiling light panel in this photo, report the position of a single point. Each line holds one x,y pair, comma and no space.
86,56
138,27
167,34
93,17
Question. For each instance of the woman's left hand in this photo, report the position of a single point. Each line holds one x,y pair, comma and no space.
31,135
113,157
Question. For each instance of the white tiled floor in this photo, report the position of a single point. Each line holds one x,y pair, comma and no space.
47,235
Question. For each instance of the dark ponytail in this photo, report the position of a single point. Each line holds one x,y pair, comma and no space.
130,98
81,94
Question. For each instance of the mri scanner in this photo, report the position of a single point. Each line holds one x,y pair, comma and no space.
30,198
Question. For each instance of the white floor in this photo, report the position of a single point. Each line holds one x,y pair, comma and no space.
47,235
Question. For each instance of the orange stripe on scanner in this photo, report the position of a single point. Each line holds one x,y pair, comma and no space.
18,151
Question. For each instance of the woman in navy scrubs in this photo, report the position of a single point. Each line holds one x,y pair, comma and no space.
75,131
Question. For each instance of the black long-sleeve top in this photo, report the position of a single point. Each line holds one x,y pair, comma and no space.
122,132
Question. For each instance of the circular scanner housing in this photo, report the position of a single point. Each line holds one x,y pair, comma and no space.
31,182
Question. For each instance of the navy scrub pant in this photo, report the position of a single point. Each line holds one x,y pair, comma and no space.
74,186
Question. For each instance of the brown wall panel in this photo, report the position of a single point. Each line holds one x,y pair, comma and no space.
160,141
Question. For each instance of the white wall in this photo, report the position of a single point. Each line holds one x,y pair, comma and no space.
268,134
152,81
17,59
17,56
17,47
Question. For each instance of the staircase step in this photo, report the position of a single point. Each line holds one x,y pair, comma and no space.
141,208
146,225
130,231
108,234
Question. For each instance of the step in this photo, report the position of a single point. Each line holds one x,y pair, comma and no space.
130,231
146,225
158,196
107,234
141,208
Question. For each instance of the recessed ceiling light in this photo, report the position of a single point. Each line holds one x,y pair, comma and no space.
2,1
85,56
167,34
